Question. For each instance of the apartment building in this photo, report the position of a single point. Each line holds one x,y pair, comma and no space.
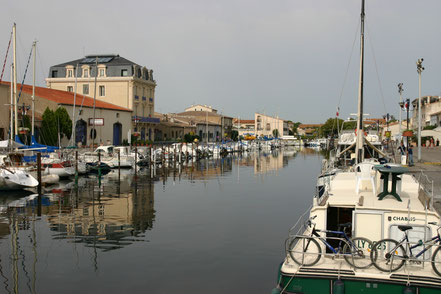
112,79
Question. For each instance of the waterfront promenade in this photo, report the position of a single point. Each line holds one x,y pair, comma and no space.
430,165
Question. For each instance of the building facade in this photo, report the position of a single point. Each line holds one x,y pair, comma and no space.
112,122
430,111
200,107
118,81
268,126
244,127
224,122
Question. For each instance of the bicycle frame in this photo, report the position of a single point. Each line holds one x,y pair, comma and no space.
405,240
340,233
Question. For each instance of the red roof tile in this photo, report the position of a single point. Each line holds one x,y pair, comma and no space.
67,98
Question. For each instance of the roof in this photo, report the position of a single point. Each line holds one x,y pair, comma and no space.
67,98
109,59
200,113
303,126
244,121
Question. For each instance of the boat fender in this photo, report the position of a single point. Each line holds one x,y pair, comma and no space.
275,291
338,287
409,290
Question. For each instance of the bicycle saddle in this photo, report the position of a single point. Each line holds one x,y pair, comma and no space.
404,228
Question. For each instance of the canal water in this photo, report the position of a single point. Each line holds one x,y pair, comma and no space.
214,226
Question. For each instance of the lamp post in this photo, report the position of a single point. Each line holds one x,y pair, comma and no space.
400,90
420,69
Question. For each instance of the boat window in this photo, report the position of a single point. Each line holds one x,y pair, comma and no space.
335,217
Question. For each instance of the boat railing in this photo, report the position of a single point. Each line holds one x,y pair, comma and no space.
300,226
425,190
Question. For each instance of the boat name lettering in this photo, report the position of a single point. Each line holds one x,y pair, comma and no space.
401,218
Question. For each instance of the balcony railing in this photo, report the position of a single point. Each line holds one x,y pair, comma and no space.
143,119
144,98
136,97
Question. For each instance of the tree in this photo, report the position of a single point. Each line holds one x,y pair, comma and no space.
54,122
295,127
234,135
275,133
49,132
64,122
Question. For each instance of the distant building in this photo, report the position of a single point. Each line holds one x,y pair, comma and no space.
245,127
308,129
112,121
430,111
219,126
265,125
200,107
119,81
171,128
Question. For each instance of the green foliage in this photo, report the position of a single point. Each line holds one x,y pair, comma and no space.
275,133
234,135
295,127
52,123
189,137
64,122
429,127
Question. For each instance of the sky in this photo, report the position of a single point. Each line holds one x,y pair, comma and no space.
297,59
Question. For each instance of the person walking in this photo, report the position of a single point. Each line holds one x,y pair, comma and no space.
402,149
437,142
410,154
432,144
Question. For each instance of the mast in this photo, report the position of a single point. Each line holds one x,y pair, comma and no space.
74,103
11,132
360,134
34,47
94,103
15,79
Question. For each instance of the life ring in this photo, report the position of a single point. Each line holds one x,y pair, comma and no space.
365,133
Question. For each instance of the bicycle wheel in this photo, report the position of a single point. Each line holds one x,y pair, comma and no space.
436,261
305,251
387,255
357,252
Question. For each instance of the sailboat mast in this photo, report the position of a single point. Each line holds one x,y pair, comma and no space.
359,142
11,131
94,104
15,79
34,46
74,123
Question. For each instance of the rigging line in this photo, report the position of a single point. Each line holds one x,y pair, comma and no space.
6,57
349,63
24,76
42,63
376,68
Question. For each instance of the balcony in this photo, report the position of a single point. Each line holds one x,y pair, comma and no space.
144,98
143,119
136,98
151,100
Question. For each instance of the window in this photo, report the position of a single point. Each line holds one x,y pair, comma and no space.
102,72
86,89
86,73
69,89
117,114
70,73
268,127
139,72
124,73
102,91
55,73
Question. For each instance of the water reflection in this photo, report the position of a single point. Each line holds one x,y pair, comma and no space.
102,215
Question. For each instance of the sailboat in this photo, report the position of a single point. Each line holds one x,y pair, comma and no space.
348,241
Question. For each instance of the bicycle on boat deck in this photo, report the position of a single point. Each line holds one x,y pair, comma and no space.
389,255
305,250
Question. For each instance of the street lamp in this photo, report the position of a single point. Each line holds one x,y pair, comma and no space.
400,90
420,69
